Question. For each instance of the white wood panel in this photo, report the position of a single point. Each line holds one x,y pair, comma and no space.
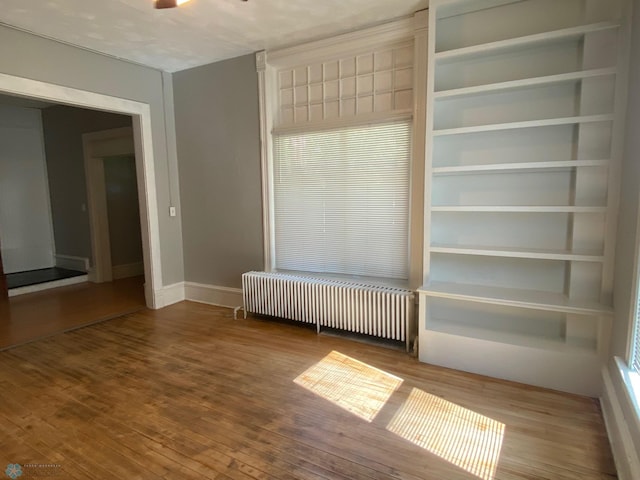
524,124
529,145
380,81
518,209
518,43
479,26
497,167
525,83
522,102
569,371
510,252
533,299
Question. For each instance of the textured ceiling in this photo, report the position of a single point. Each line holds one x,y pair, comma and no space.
199,32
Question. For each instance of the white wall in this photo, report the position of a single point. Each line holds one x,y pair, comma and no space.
26,232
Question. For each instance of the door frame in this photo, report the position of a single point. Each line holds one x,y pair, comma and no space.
96,147
145,168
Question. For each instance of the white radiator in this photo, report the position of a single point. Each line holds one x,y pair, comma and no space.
384,312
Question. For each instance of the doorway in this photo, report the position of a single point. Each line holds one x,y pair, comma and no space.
113,199
141,116
26,222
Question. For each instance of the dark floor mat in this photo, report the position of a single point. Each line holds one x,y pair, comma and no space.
34,277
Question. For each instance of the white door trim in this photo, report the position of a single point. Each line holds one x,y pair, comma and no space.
141,115
96,146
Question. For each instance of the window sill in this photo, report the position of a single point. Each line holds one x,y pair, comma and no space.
631,383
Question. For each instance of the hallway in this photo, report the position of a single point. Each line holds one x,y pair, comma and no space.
37,315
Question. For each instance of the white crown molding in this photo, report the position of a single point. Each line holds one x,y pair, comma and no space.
261,61
421,21
390,33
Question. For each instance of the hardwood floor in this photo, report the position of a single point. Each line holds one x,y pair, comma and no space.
36,315
188,392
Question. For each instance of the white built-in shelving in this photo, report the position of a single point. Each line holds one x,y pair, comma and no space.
548,122
523,166
518,44
572,77
534,253
521,208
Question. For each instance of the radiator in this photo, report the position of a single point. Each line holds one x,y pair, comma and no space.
384,312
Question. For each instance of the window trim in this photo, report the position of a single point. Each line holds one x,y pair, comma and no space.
631,381
413,28
634,323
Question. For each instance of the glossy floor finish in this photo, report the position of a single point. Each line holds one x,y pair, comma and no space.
188,392
36,315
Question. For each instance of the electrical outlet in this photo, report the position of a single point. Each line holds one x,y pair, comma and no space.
172,211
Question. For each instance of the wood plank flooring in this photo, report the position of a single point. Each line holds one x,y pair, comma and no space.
189,392
36,315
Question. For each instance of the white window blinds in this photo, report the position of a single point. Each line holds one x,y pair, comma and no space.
341,200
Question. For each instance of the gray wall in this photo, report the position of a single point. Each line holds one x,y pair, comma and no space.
26,55
218,140
63,129
122,210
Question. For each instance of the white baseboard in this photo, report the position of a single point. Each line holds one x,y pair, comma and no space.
79,264
168,295
197,292
14,292
213,295
622,444
127,270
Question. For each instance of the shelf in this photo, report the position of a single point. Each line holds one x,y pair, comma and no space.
518,167
520,339
532,299
535,253
502,46
525,124
524,83
518,209
460,8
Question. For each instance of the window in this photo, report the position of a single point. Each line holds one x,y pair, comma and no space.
342,130
341,200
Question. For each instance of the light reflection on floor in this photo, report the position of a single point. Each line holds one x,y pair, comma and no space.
355,386
460,436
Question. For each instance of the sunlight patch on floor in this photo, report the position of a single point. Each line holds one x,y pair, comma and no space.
460,436
355,386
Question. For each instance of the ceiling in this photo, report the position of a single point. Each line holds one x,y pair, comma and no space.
198,32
